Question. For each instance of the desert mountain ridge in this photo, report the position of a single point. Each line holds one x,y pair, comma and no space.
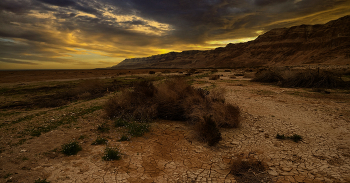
327,44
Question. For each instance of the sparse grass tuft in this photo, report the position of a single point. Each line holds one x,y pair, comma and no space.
111,154
82,137
102,128
120,122
214,77
137,129
41,181
282,137
295,137
7,175
71,148
124,138
99,141
249,170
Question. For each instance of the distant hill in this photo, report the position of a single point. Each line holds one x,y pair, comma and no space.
305,44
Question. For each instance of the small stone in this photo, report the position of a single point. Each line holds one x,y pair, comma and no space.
287,173
286,169
23,150
267,135
273,172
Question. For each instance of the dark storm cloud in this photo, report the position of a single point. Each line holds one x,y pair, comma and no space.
268,2
48,29
63,3
15,6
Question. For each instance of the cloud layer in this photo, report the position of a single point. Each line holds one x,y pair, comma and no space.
100,33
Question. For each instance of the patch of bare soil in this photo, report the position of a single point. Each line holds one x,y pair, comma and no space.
170,151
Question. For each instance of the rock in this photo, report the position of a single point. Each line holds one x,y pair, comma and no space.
286,169
267,135
272,172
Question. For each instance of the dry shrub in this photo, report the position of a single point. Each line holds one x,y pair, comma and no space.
191,71
208,131
249,75
250,170
151,72
214,77
239,74
93,86
313,79
136,103
166,71
217,95
346,72
174,99
268,76
302,78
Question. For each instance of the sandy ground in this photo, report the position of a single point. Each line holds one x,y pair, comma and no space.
170,153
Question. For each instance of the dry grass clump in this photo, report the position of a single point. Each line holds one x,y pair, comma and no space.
268,76
313,79
239,74
208,131
303,79
136,103
248,169
176,100
214,77
85,90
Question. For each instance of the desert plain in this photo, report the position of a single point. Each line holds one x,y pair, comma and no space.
37,117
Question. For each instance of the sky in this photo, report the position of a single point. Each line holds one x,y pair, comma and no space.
88,34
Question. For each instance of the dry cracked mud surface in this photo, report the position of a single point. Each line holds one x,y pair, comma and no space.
170,152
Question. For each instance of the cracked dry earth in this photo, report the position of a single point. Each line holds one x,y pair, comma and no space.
170,153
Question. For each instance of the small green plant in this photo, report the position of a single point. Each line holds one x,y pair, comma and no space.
136,129
99,141
295,137
7,175
41,181
24,158
35,133
278,136
120,122
111,154
82,137
71,148
124,138
103,128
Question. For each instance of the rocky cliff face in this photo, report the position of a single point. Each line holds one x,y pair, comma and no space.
305,44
